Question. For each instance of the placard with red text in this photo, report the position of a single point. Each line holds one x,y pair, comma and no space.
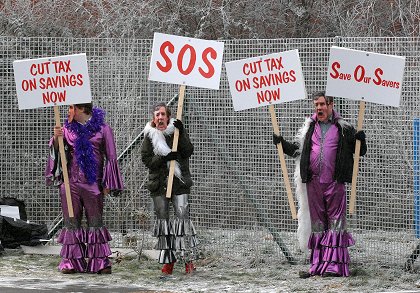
44,82
186,61
265,80
367,76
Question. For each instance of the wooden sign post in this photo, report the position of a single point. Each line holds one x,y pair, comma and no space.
356,158
175,142
283,163
64,164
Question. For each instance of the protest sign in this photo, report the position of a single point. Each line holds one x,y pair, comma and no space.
44,82
265,80
365,76
185,61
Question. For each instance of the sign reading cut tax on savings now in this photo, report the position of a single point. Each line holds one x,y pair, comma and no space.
265,80
186,61
44,82
366,76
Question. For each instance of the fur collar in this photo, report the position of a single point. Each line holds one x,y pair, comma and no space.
160,147
83,148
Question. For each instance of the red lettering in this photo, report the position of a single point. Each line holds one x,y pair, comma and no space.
29,84
80,79
32,70
53,96
334,66
210,67
166,45
245,69
193,57
242,85
292,76
360,77
378,74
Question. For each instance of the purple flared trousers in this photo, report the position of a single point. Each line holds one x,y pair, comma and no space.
79,243
329,240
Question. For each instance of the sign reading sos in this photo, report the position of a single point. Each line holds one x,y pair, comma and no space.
186,61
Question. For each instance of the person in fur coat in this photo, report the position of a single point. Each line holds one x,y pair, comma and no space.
324,152
176,237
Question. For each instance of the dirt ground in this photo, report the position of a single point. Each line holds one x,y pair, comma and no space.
38,273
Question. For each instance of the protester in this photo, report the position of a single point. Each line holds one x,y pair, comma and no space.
324,151
176,237
93,172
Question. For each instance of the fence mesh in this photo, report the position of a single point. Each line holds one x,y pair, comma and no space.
239,195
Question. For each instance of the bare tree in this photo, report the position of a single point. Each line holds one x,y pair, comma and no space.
210,19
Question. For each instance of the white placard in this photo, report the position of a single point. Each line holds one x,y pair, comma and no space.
265,80
9,211
44,82
367,76
186,61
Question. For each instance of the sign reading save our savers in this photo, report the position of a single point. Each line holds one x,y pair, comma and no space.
44,82
365,76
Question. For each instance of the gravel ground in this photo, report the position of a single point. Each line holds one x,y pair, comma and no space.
38,273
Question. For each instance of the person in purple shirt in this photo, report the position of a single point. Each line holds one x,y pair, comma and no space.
324,152
93,172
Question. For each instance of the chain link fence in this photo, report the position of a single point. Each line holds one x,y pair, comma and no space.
239,201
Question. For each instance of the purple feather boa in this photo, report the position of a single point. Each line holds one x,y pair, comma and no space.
83,147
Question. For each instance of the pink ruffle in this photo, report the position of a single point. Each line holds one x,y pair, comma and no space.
79,265
329,252
72,251
98,250
98,235
72,236
324,267
337,239
112,178
331,239
96,264
315,240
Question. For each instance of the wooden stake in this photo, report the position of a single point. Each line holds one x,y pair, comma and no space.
356,159
64,164
283,163
175,142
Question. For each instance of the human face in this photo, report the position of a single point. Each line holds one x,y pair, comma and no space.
160,118
322,109
70,115
75,114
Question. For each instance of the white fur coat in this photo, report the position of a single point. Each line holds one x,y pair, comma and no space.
304,219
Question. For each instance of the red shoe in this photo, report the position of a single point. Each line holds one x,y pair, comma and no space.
168,268
189,267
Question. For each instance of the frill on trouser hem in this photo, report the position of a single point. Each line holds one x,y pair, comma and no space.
329,252
72,250
165,236
98,250
185,240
